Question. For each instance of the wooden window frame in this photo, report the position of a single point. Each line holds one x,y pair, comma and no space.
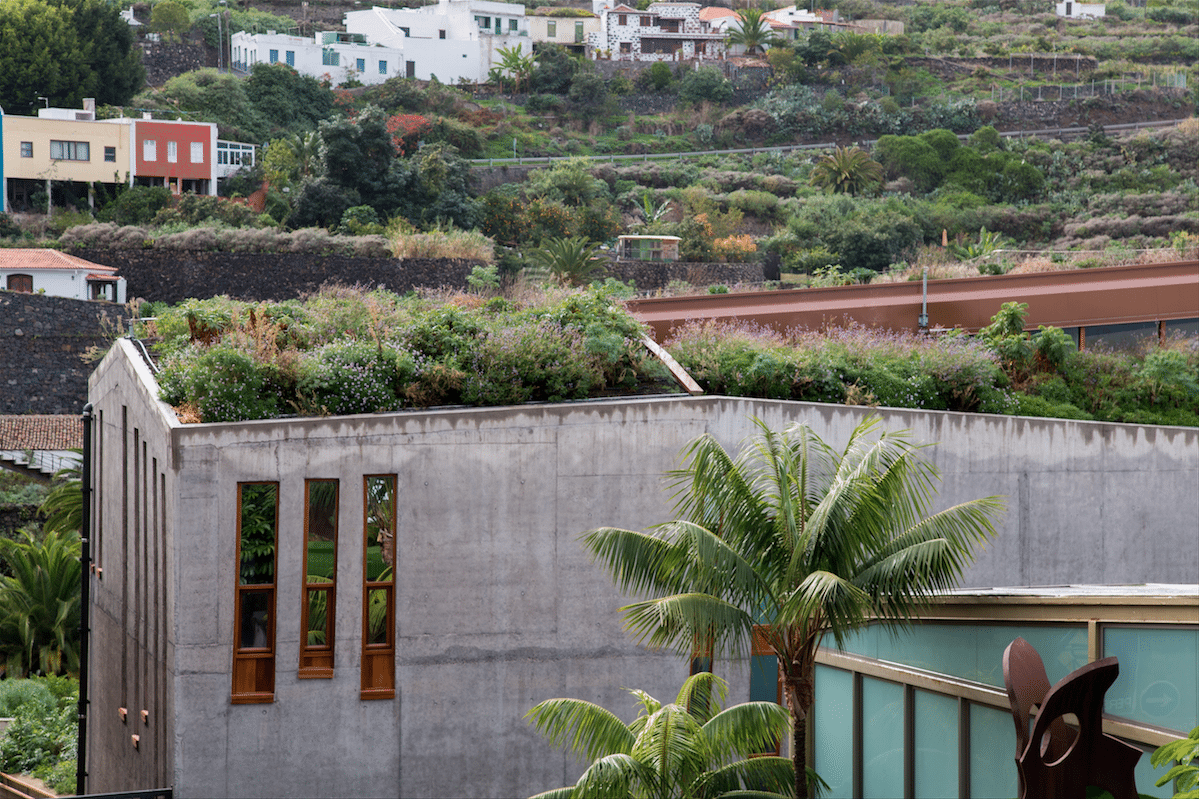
378,659
316,660
253,675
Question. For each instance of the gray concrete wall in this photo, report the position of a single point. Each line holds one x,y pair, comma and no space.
499,608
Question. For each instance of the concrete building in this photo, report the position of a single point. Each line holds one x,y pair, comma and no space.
368,605
59,274
337,56
1074,10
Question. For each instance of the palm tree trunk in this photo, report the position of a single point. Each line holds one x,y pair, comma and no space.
799,756
798,688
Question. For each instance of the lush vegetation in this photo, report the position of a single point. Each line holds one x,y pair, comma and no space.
349,351
42,738
686,748
796,539
1003,370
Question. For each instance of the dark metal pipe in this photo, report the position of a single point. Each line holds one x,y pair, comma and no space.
85,559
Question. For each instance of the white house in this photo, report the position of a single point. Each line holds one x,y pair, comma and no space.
340,56
1068,8
452,39
662,32
551,26
59,275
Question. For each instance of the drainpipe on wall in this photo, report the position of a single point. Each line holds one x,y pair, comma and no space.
922,320
85,558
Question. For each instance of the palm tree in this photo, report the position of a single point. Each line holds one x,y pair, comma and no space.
571,260
798,540
63,506
39,604
752,31
848,171
689,748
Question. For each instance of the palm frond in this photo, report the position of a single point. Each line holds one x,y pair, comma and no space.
677,622
613,777
701,695
835,601
639,562
749,728
585,728
772,777
671,744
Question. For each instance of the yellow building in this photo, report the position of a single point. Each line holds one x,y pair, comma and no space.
52,156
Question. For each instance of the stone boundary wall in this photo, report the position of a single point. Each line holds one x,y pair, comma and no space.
173,276
652,275
16,517
42,343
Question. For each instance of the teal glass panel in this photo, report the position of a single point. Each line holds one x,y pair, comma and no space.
936,757
1146,775
882,739
992,754
833,731
970,651
763,678
1159,678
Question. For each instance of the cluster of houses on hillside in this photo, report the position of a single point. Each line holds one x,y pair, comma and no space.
66,151
459,40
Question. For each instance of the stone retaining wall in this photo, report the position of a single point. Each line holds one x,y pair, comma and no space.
42,343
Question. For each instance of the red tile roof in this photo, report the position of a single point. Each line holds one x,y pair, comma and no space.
18,258
709,13
41,431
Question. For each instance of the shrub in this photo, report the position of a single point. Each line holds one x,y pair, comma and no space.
705,84
43,737
136,205
221,384
348,377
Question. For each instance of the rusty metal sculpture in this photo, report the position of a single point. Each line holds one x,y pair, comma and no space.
1055,760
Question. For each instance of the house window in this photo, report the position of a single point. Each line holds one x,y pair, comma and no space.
407,32
382,67
621,19
69,150
274,56
254,614
319,602
110,154
440,34
626,47
551,28
647,21
172,152
578,32
149,150
21,283
290,55
484,22
330,58
27,149
512,25
378,594
197,152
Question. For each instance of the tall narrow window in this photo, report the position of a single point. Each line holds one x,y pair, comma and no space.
378,595
197,152
551,28
382,67
290,56
320,578
254,615
149,150
274,56
172,152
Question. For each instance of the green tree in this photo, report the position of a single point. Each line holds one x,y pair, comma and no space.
848,170
63,506
705,83
752,31
289,101
39,605
40,54
108,47
170,19
797,539
688,748
221,98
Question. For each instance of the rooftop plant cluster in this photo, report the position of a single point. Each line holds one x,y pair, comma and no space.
346,351
1003,370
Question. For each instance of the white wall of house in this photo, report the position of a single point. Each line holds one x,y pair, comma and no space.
1068,8
341,61
69,283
